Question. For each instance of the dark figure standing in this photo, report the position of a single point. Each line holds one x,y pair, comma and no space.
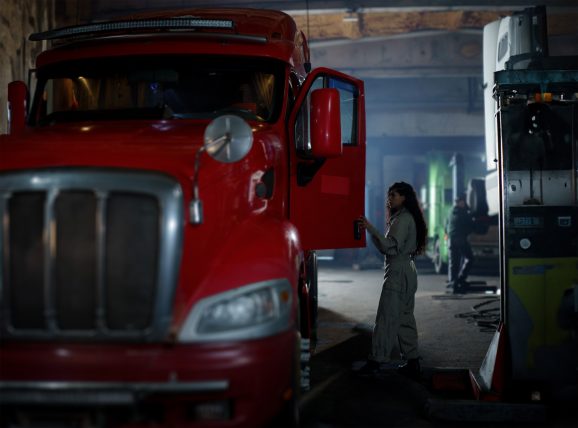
395,321
459,225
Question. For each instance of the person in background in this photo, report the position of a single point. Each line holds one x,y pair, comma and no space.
459,225
395,321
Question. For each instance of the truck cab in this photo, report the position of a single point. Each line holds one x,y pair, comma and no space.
164,189
508,43
532,190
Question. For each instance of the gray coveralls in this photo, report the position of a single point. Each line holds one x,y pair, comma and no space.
395,319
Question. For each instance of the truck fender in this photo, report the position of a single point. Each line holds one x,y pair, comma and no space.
259,249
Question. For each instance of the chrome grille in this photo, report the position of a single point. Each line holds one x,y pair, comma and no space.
88,254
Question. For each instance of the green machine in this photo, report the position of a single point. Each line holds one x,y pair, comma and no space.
537,134
451,174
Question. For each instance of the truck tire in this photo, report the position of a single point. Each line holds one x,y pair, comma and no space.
303,354
308,312
313,295
439,266
308,299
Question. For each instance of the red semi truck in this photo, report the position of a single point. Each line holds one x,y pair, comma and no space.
162,192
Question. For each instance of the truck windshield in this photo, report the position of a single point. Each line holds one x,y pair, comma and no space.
159,87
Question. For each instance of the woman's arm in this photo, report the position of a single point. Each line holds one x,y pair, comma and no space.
385,244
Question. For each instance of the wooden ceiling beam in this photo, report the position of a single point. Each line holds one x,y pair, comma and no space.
327,25
426,53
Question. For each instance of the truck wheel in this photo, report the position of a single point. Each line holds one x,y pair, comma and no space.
308,312
313,296
304,351
439,266
305,365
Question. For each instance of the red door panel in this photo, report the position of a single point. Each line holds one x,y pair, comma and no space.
327,195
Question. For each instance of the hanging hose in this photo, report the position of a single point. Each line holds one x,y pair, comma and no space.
487,319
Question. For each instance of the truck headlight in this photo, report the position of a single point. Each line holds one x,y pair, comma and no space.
249,312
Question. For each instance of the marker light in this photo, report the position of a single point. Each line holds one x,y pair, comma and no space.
146,24
545,97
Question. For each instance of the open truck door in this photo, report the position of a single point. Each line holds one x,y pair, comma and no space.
327,177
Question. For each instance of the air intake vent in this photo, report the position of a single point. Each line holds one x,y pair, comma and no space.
88,254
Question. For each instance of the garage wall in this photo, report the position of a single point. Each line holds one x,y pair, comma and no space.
19,18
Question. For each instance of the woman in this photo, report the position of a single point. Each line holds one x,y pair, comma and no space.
395,322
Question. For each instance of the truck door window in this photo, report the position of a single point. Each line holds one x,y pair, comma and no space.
348,109
348,96
161,86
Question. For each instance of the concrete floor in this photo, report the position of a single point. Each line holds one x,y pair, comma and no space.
450,337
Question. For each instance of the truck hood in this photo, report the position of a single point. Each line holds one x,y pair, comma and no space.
163,145
167,146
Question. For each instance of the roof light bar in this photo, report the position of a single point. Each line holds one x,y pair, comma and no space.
147,24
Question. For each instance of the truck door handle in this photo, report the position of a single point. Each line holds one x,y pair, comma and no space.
356,230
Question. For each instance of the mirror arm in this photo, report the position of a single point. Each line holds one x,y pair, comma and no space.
196,205
307,170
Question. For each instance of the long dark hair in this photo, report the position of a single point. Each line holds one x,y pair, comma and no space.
412,205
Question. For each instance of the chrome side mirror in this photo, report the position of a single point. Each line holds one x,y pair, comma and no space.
228,138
